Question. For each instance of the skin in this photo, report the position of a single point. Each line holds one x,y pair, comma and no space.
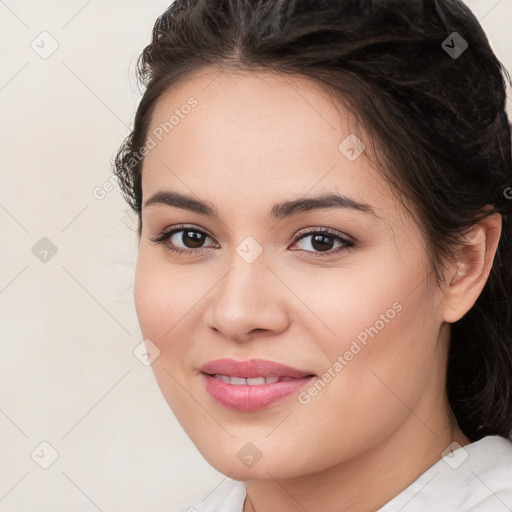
254,140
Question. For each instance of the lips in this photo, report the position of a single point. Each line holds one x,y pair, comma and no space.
252,385
251,381
252,368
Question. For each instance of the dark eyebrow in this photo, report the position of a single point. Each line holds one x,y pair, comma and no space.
170,198
327,200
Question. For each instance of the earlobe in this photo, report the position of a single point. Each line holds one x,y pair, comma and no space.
469,273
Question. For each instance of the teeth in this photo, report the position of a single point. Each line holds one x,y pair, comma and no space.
252,381
255,380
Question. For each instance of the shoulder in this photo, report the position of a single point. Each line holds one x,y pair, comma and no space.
473,478
226,497
491,474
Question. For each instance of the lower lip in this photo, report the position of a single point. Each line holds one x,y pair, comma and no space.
251,398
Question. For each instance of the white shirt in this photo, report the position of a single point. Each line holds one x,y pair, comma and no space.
473,478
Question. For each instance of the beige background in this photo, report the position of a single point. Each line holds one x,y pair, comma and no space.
68,325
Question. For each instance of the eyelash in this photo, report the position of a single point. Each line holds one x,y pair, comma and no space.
166,234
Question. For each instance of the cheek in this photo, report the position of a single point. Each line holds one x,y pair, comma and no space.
363,301
161,304
386,334
379,347
168,304
163,295
379,362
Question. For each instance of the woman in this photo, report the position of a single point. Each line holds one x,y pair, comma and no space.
324,275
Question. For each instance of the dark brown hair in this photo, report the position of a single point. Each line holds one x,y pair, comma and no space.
435,111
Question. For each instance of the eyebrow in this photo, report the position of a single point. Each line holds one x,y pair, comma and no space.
327,200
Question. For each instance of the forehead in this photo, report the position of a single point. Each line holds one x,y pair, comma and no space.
259,91
250,108
263,132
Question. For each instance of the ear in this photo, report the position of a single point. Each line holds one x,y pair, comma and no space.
468,274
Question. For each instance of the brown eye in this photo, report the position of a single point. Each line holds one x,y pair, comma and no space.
183,239
318,242
191,239
321,242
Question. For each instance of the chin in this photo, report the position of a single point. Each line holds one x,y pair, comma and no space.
241,460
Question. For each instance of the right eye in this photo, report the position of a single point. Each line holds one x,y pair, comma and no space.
191,237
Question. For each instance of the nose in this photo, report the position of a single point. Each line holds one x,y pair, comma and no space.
248,300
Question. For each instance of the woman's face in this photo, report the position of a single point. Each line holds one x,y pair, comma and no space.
338,290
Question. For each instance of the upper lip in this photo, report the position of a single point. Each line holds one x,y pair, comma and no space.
252,368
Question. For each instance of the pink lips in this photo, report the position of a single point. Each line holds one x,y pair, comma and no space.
226,381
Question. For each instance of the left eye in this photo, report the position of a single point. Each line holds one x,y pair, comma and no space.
323,241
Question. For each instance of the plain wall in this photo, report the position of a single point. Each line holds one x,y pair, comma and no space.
68,324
